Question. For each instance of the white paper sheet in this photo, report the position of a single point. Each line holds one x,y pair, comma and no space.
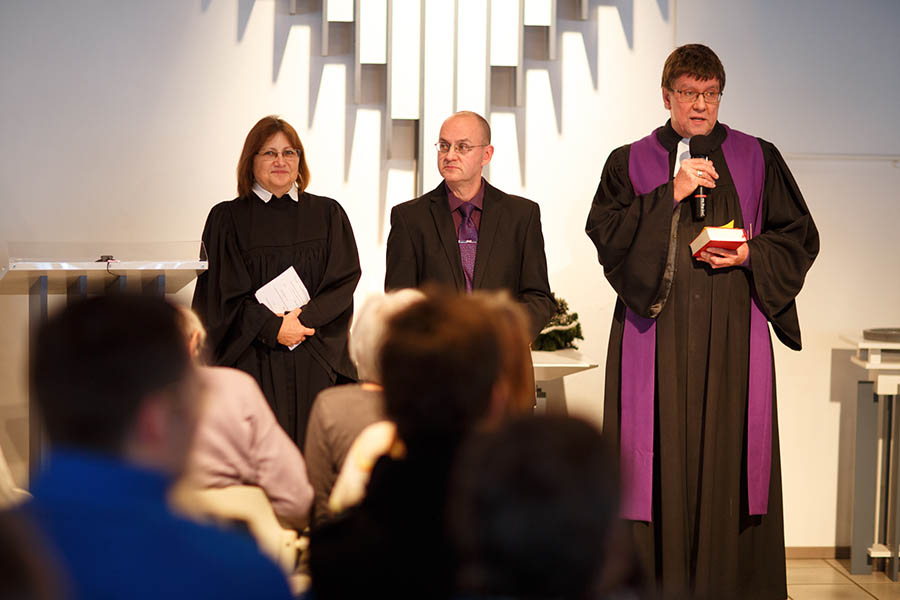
284,293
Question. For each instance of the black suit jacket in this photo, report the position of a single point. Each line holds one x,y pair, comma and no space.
423,248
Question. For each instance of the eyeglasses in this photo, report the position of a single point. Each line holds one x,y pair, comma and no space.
459,147
691,96
288,154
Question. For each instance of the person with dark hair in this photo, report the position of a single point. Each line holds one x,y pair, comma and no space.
533,512
273,225
440,361
513,389
27,569
119,403
466,233
690,387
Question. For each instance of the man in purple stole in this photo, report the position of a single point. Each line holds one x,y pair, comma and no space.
690,384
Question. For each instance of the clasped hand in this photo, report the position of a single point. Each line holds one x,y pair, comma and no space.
292,331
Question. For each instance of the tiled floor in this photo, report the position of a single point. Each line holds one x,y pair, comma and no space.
829,579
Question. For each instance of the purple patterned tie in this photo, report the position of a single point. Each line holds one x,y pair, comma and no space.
468,243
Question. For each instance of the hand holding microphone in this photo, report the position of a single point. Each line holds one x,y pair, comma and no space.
701,146
696,176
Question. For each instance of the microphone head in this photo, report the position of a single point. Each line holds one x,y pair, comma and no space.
701,145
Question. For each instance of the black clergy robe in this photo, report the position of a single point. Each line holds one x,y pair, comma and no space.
702,537
250,242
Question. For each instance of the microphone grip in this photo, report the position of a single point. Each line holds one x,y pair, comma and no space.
698,202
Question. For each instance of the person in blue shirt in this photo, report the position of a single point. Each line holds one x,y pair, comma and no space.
118,393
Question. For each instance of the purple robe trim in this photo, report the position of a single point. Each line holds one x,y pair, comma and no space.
648,168
744,158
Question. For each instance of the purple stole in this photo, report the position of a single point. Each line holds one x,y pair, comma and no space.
648,168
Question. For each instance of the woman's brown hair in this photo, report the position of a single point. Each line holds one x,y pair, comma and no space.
262,131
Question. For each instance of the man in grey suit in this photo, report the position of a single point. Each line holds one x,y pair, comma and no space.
467,234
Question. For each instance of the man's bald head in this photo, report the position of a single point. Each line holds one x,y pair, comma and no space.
482,123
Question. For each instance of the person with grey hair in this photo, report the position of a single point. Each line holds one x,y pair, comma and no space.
340,413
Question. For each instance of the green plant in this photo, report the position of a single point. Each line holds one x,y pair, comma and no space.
562,330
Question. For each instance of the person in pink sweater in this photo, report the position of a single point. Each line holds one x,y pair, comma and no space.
239,442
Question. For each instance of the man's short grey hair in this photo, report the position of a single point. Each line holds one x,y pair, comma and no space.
485,126
367,332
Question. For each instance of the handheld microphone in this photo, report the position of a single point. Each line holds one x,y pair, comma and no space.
701,146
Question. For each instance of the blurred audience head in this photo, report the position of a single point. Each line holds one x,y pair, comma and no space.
26,568
514,393
532,509
368,331
440,361
113,375
194,333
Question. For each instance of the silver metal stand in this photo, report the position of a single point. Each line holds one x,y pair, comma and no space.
876,522
81,269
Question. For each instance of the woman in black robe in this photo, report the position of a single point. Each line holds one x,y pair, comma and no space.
272,225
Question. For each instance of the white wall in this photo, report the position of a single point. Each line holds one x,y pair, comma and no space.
124,121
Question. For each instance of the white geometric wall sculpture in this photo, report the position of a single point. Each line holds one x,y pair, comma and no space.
438,56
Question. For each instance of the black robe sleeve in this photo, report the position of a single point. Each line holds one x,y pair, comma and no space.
330,308
635,236
785,250
223,296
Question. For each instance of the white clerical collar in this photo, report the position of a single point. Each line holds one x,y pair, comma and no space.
683,153
265,195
